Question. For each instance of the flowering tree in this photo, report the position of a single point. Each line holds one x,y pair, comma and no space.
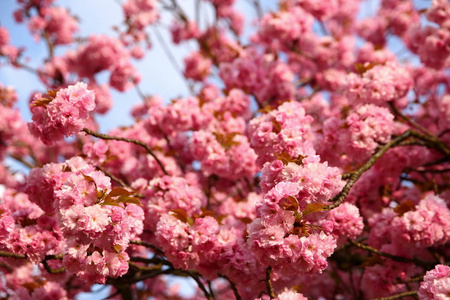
309,162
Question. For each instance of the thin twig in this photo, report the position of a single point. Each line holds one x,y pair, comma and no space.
412,279
148,245
432,141
172,59
200,285
154,260
397,296
22,161
234,288
443,132
407,119
113,177
13,255
429,140
258,9
353,178
421,170
134,141
139,91
53,257
52,271
144,268
417,261
49,44
269,283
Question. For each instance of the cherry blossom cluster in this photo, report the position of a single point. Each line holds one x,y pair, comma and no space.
61,114
96,226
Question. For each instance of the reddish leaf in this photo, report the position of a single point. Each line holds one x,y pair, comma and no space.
118,191
128,199
313,207
290,203
404,207
117,248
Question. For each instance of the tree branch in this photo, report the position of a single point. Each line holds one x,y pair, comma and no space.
200,285
13,255
113,177
148,245
397,296
407,119
269,284
133,141
354,176
417,261
233,287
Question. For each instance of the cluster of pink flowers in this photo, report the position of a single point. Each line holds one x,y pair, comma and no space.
138,15
281,237
260,75
96,232
284,130
11,123
226,154
183,31
344,221
425,225
288,295
8,95
436,284
356,137
54,23
378,84
197,67
61,114
430,42
6,49
309,181
26,230
104,53
171,194
285,27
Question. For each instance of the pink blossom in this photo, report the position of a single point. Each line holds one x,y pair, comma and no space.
61,114
8,95
283,131
439,12
57,23
197,67
435,284
4,36
379,84
182,31
124,76
346,221
261,75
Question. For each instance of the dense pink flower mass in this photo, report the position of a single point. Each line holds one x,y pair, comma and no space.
305,156
436,284
61,114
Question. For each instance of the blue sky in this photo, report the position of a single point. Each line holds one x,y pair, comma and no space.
158,74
